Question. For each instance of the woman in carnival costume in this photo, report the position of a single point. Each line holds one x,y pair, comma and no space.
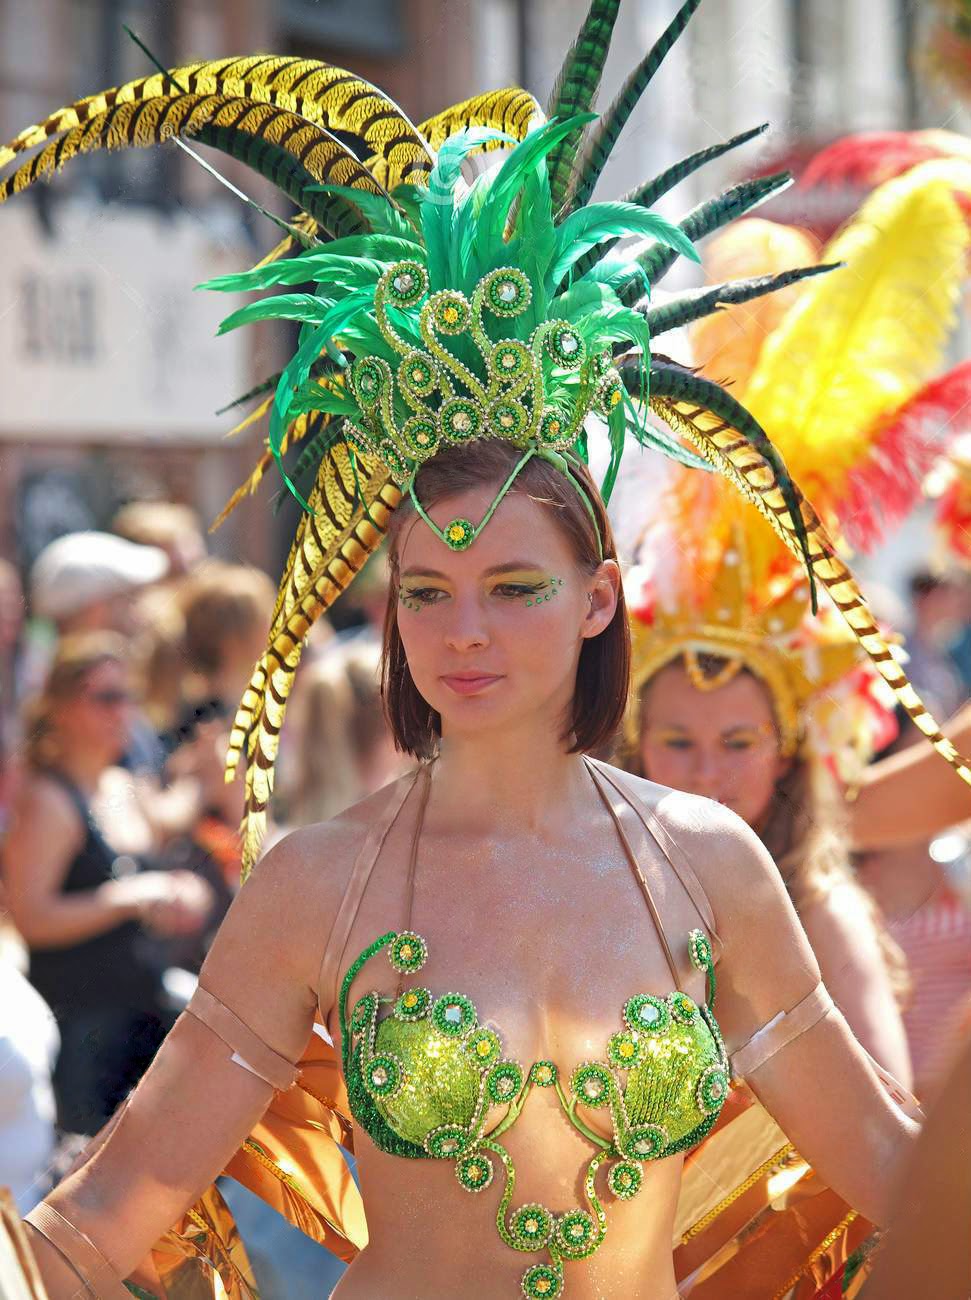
458,339
740,694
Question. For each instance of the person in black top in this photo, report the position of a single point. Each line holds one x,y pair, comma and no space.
85,911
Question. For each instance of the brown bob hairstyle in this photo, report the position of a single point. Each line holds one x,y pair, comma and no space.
603,673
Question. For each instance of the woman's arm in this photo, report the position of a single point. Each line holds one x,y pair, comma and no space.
842,930
820,1088
195,1105
909,796
44,836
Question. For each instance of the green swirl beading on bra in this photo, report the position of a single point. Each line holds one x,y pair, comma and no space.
422,1083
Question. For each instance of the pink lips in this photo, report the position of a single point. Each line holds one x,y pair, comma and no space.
469,683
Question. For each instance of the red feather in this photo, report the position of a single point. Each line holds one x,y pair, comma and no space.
904,447
867,159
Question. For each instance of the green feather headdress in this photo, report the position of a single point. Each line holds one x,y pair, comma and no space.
446,311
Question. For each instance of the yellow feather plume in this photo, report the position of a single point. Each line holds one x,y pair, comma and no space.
861,341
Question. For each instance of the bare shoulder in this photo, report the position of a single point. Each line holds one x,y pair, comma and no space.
282,915
313,864
45,814
729,859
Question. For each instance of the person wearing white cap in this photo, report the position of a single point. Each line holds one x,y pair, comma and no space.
84,581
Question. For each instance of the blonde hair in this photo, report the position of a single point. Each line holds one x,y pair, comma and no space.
805,830
77,655
155,523
338,720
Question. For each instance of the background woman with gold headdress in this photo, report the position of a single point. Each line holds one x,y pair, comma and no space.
740,693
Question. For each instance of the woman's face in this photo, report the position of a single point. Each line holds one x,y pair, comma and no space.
493,634
99,717
722,744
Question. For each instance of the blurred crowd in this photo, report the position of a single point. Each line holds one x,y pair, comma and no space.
123,655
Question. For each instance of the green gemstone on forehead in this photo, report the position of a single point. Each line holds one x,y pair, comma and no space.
459,534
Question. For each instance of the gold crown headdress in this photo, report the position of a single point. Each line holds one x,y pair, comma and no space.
838,376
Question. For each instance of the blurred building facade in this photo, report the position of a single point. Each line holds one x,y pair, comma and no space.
112,375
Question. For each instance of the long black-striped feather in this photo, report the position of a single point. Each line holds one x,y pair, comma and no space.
704,220
679,384
605,134
702,302
650,191
575,89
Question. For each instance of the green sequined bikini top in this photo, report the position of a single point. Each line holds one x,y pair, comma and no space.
425,1081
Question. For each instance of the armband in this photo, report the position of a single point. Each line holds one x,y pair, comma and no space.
249,1050
780,1031
79,1252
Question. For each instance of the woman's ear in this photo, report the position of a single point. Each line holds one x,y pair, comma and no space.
603,591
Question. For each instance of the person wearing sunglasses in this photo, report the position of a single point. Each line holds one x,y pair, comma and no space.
74,890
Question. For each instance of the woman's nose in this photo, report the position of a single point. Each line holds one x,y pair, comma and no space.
466,628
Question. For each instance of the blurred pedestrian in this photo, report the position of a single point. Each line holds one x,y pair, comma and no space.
74,891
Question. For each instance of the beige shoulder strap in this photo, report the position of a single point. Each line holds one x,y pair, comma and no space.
669,848
329,974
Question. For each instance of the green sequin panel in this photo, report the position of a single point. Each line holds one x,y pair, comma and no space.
661,1088
442,1079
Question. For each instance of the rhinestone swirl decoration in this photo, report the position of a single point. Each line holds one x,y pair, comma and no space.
467,381
429,1080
